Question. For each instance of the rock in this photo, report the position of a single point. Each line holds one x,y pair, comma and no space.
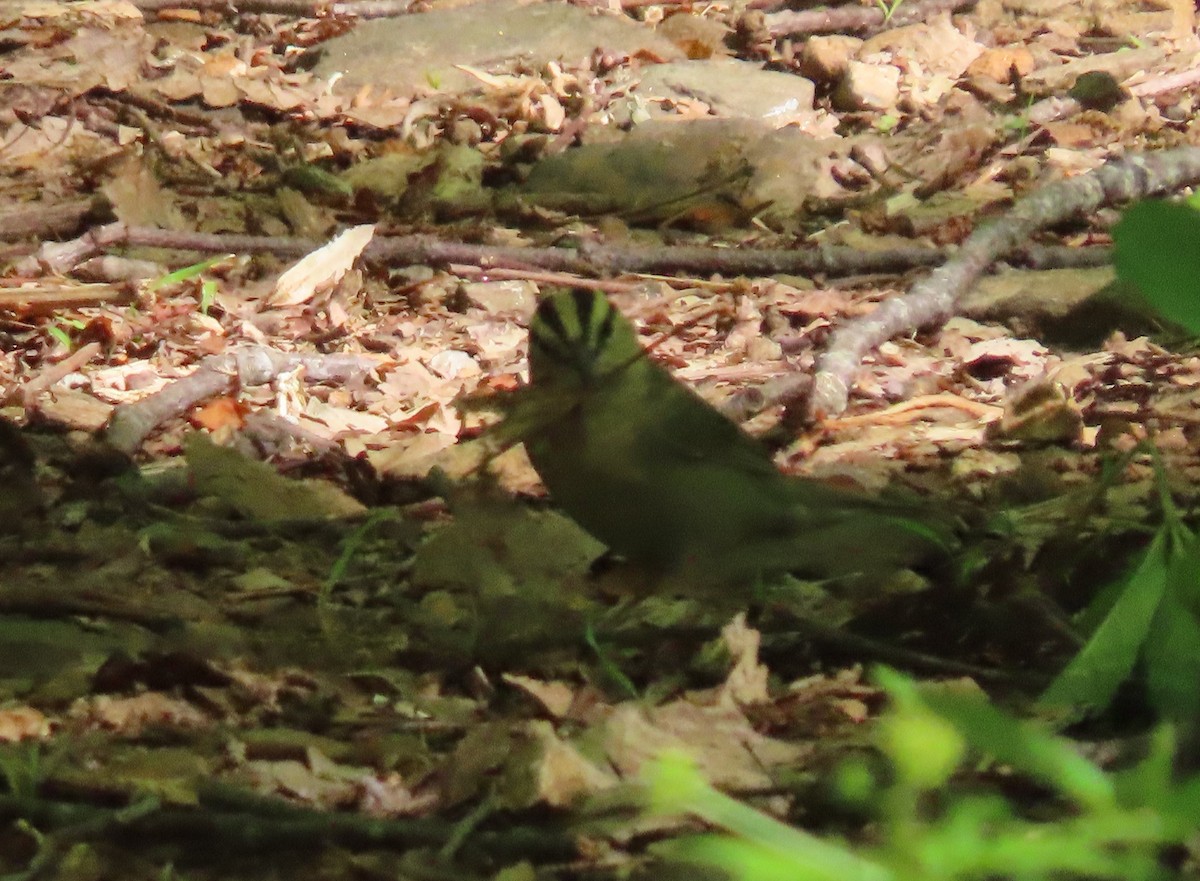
682,171
825,58
733,89
420,52
868,87
999,63
697,36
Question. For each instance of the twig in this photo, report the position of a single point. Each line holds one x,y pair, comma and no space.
248,365
299,8
43,299
853,18
58,257
805,630
1168,82
1060,257
906,411
592,259
162,110
589,259
41,220
267,823
55,372
933,299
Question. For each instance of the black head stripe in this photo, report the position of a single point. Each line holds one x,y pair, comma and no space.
537,340
551,344
547,313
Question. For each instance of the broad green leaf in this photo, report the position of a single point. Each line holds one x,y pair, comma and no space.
1108,658
990,731
1157,249
188,272
768,849
1172,653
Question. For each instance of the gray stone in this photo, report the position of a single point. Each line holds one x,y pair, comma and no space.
666,171
419,52
732,89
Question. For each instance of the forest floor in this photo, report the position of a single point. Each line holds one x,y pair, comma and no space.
269,606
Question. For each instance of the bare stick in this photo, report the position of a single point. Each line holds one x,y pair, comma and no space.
245,365
852,18
932,300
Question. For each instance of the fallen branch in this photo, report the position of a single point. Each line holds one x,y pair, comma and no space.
932,300
854,18
591,259
298,8
43,220
270,824
217,374
43,298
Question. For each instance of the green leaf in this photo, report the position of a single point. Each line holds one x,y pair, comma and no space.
208,293
1172,652
769,849
63,338
1157,249
188,272
992,732
1108,658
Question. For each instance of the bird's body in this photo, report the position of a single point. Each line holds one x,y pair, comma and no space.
665,480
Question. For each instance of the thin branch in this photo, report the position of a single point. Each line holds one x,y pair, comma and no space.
591,259
932,300
44,220
271,824
298,8
854,18
217,374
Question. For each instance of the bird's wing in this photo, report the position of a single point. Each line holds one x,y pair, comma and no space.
692,430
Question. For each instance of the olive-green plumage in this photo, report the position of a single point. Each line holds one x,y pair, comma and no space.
665,480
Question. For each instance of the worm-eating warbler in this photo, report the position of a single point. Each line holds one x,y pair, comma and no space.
668,482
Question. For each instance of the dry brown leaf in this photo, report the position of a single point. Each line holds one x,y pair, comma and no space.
132,715
727,749
555,697
564,775
322,269
72,408
23,723
223,413
746,683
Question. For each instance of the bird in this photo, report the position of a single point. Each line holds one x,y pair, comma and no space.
671,484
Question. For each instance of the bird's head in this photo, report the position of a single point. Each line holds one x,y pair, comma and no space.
578,338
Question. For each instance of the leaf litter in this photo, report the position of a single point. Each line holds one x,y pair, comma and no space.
186,627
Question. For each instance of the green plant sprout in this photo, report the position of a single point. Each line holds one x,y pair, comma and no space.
208,293
350,547
1147,622
1095,824
58,330
22,768
889,9
208,287
188,272
1019,123
608,666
